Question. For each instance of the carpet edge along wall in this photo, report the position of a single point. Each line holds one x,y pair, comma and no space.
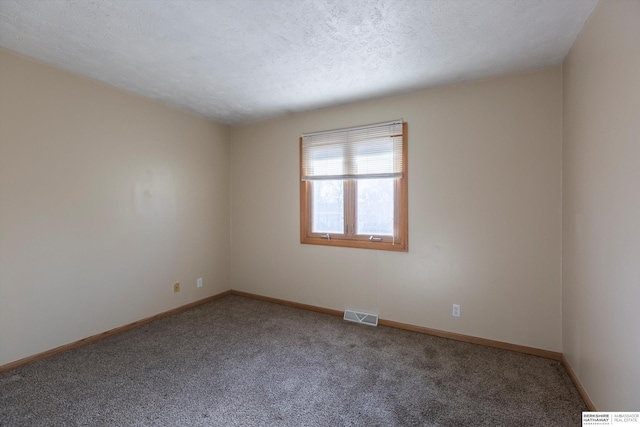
382,322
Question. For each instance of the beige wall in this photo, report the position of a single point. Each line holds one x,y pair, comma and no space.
601,220
106,199
484,213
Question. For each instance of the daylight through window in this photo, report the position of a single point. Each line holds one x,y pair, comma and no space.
353,189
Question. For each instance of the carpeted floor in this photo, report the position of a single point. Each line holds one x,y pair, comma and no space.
241,362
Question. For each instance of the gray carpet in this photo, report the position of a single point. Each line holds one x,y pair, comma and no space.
241,362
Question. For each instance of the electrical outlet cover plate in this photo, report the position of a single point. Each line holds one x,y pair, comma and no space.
176,287
199,282
456,310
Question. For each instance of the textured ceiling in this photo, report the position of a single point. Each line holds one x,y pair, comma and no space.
239,61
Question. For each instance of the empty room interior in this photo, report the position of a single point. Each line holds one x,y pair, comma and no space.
160,229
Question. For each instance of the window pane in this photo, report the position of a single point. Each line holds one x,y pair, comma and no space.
375,206
327,207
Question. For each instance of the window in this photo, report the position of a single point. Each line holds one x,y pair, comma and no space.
353,187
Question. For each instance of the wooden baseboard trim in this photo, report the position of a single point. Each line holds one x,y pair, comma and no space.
473,340
408,327
383,322
578,384
288,303
24,361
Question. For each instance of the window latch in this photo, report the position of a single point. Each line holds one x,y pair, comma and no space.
375,239
326,236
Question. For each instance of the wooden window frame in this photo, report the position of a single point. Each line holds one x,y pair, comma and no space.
398,243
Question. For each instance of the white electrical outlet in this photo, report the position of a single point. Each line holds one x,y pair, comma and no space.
199,283
456,310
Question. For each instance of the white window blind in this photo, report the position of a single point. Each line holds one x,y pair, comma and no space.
373,151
